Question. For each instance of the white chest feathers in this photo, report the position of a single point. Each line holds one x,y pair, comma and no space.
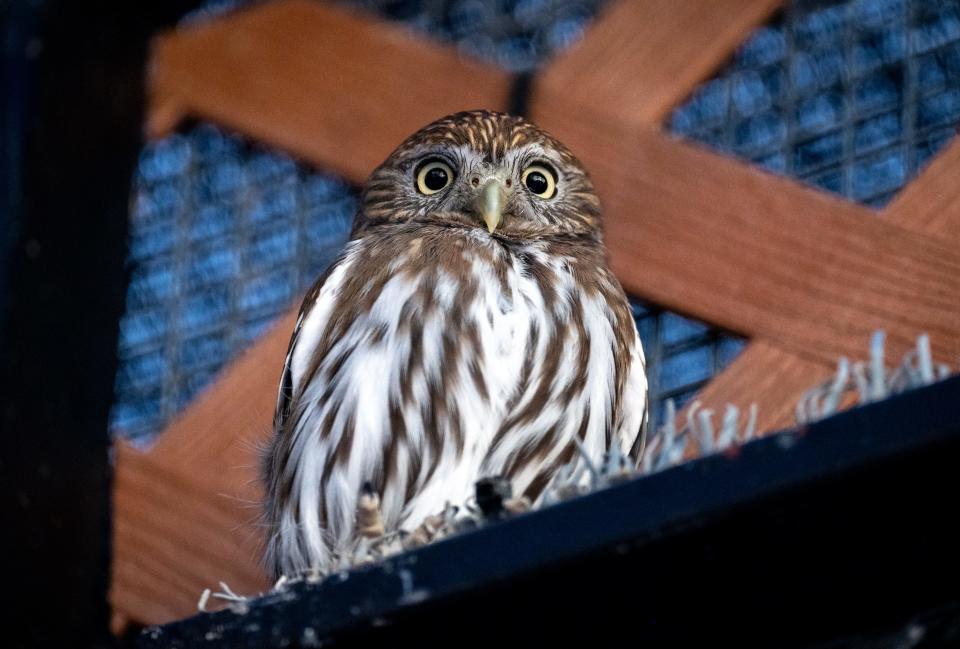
440,375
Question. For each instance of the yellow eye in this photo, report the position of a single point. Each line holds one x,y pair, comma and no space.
434,176
540,180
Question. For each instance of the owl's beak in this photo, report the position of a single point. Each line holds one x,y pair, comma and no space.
490,203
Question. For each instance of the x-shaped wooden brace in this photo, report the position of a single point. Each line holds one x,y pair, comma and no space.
806,275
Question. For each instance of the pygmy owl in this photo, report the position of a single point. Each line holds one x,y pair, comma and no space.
470,328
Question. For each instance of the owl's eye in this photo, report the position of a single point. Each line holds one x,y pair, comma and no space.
433,176
540,180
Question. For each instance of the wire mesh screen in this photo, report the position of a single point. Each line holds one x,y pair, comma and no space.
517,35
226,236
682,355
852,97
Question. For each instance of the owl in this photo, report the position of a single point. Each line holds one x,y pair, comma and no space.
471,327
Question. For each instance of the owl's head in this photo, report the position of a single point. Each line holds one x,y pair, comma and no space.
484,170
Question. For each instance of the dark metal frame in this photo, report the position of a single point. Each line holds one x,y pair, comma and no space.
66,286
840,530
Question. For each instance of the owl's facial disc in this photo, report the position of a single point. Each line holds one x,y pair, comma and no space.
483,170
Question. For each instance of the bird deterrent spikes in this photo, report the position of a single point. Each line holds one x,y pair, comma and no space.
869,381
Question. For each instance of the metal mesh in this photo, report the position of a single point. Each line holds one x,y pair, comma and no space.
517,35
682,355
226,236
853,97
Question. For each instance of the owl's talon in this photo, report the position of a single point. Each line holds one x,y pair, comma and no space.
369,522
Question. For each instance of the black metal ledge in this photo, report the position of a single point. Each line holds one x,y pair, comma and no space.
843,533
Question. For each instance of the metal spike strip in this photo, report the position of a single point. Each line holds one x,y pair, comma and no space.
871,380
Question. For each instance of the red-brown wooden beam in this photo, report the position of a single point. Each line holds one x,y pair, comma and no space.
186,513
641,58
317,80
931,203
757,253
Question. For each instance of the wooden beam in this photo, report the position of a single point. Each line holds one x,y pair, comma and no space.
320,81
931,202
759,254
185,512
178,530
237,401
775,379
642,57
